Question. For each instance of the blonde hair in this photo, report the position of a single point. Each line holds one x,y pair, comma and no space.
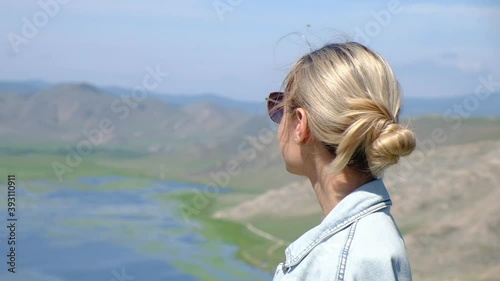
352,100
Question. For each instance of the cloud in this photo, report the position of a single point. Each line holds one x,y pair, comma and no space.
475,67
458,60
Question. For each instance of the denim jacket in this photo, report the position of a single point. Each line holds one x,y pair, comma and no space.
357,240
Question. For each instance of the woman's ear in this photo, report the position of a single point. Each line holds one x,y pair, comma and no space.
301,129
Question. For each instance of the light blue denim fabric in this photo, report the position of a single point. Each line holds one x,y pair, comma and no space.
357,240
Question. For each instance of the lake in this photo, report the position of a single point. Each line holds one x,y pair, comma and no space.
68,233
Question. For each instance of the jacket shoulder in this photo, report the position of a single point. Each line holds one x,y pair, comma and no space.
377,250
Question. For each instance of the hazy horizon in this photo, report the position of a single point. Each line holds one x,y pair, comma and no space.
240,49
207,93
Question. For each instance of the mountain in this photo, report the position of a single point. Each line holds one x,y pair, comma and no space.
412,106
68,113
23,87
179,99
468,105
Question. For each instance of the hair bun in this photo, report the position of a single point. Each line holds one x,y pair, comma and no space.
393,142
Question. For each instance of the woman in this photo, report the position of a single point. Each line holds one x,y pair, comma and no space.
339,127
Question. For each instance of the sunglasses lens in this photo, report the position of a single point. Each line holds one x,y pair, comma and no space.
275,107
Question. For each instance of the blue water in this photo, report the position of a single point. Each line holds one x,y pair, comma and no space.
68,234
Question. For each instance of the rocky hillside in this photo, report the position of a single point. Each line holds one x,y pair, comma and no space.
449,208
446,205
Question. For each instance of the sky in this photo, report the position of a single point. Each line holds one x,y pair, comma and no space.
242,49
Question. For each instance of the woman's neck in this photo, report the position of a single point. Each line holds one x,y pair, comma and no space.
330,189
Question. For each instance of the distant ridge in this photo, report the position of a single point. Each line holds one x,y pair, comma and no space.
468,105
23,87
412,106
63,113
180,99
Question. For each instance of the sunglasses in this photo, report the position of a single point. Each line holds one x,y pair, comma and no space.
275,106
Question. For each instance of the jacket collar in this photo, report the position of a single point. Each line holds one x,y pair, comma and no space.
366,199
